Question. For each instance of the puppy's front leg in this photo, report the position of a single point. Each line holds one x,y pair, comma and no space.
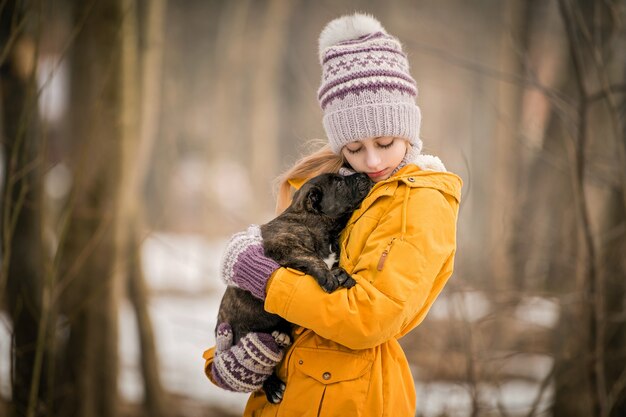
274,388
317,268
343,278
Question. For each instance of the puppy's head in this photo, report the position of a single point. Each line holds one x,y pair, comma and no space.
332,195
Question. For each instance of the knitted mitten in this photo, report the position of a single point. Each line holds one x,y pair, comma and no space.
245,366
244,263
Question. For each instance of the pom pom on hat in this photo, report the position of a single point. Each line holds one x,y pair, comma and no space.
346,28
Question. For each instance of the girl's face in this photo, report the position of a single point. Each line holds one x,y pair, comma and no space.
377,157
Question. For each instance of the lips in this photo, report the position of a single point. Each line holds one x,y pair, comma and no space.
377,174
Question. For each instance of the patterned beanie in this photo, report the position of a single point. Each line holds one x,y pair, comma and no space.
366,89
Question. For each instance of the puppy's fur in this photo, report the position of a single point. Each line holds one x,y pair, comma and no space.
302,237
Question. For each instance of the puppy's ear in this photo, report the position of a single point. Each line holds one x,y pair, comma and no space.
313,200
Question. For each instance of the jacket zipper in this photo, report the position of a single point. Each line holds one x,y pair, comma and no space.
383,256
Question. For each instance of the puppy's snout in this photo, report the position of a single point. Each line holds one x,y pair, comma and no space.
360,182
357,178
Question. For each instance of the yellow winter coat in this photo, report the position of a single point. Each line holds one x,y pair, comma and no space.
345,360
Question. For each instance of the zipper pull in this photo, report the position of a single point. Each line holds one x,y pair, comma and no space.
383,257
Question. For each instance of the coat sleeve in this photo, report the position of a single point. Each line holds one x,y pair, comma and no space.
209,356
385,301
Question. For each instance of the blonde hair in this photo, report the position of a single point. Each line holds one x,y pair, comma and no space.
321,161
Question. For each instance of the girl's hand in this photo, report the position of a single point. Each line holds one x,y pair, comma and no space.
244,263
245,366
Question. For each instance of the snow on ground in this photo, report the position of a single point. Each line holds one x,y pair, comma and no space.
183,329
455,400
5,352
183,272
463,305
182,263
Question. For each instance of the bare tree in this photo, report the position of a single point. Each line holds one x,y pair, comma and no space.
593,32
22,276
264,113
136,162
90,275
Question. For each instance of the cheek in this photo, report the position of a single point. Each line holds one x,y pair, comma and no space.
399,153
352,159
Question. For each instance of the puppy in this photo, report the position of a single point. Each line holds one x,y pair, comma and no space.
303,237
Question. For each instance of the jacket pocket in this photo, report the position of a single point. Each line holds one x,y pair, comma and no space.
326,383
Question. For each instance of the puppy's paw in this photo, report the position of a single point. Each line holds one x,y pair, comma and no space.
282,339
343,278
274,389
349,283
330,284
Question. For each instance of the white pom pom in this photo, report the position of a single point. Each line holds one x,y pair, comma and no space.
348,27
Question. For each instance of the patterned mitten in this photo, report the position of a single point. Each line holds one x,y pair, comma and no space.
245,366
244,263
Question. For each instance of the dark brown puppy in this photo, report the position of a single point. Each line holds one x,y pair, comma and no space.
303,237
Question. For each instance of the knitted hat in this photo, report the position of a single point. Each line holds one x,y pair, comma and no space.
366,89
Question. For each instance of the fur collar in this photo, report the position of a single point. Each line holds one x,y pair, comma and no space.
429,163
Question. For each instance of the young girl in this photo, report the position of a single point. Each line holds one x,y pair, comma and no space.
399,246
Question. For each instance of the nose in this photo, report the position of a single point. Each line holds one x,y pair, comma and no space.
372,159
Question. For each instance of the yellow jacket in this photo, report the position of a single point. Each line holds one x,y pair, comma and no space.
345,359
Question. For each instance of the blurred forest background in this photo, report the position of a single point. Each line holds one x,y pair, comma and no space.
137,135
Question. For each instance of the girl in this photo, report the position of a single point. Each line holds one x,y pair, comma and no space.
399,246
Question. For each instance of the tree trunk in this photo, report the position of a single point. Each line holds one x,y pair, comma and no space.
264,112
23,258
136,168
597,143
88,269
612,250
155,400
230,54
504,176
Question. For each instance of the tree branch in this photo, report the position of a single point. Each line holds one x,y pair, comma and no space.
595,368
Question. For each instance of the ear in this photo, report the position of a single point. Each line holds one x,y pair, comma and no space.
313,200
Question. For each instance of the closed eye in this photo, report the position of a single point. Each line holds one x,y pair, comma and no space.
378,145
386,145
